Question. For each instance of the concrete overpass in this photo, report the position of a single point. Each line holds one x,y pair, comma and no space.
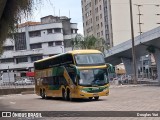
123,52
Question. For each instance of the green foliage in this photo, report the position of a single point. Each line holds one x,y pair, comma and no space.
12,13
151,49
89,42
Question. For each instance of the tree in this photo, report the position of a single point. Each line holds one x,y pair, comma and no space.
11,12
89,42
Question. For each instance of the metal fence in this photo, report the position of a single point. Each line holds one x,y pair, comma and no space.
128,79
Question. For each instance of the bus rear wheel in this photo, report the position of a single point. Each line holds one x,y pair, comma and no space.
96,98
63,94
90,98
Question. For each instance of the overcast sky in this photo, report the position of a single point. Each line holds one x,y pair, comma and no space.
120,15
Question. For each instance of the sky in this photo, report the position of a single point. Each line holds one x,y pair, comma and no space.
120,15
69,8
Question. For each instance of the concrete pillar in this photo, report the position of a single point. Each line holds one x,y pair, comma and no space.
157,60
128,65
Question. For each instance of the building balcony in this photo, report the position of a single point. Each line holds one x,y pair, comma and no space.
47,38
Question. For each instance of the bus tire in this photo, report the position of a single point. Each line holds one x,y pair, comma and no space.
96,98
68,95
63,94
90,98
43,94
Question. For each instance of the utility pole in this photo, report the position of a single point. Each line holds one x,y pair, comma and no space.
139,22
140,32
133,47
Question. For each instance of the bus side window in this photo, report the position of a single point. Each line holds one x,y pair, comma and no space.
62,81
55,80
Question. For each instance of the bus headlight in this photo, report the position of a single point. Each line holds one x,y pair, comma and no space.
83,91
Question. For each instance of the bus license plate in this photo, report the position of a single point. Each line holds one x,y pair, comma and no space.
95,95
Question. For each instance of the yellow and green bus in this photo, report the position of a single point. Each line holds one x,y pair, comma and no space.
74,74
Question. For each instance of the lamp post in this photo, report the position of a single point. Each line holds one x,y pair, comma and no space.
133,47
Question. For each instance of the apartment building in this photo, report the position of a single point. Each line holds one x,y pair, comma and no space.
37,40
97,19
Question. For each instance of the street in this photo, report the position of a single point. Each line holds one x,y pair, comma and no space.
122,98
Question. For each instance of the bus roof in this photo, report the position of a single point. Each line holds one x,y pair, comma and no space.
71,52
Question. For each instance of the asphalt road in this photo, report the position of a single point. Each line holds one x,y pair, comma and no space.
125,98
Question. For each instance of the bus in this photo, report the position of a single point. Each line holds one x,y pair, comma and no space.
74,74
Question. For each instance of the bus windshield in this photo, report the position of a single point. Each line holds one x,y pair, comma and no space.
89,59
93,77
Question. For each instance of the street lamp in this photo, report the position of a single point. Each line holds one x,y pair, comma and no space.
133,47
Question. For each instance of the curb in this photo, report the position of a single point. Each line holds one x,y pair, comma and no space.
27,92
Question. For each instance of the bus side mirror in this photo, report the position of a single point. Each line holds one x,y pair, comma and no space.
110,68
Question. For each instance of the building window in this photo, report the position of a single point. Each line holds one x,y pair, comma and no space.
51,44
50,31
58,43
21,59
101,24
35,34
100,15
107,36
7,48
97,18
96,10
98,26
100,7
106,26
101,32
35,46
9,60
35,58
20,41
57,30
98,34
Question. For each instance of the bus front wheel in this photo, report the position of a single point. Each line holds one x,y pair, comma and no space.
90,98
96,98
68,95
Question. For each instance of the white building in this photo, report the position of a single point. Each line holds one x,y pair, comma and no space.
97,19
37,40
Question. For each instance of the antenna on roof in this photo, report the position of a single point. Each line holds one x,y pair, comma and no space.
69,13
